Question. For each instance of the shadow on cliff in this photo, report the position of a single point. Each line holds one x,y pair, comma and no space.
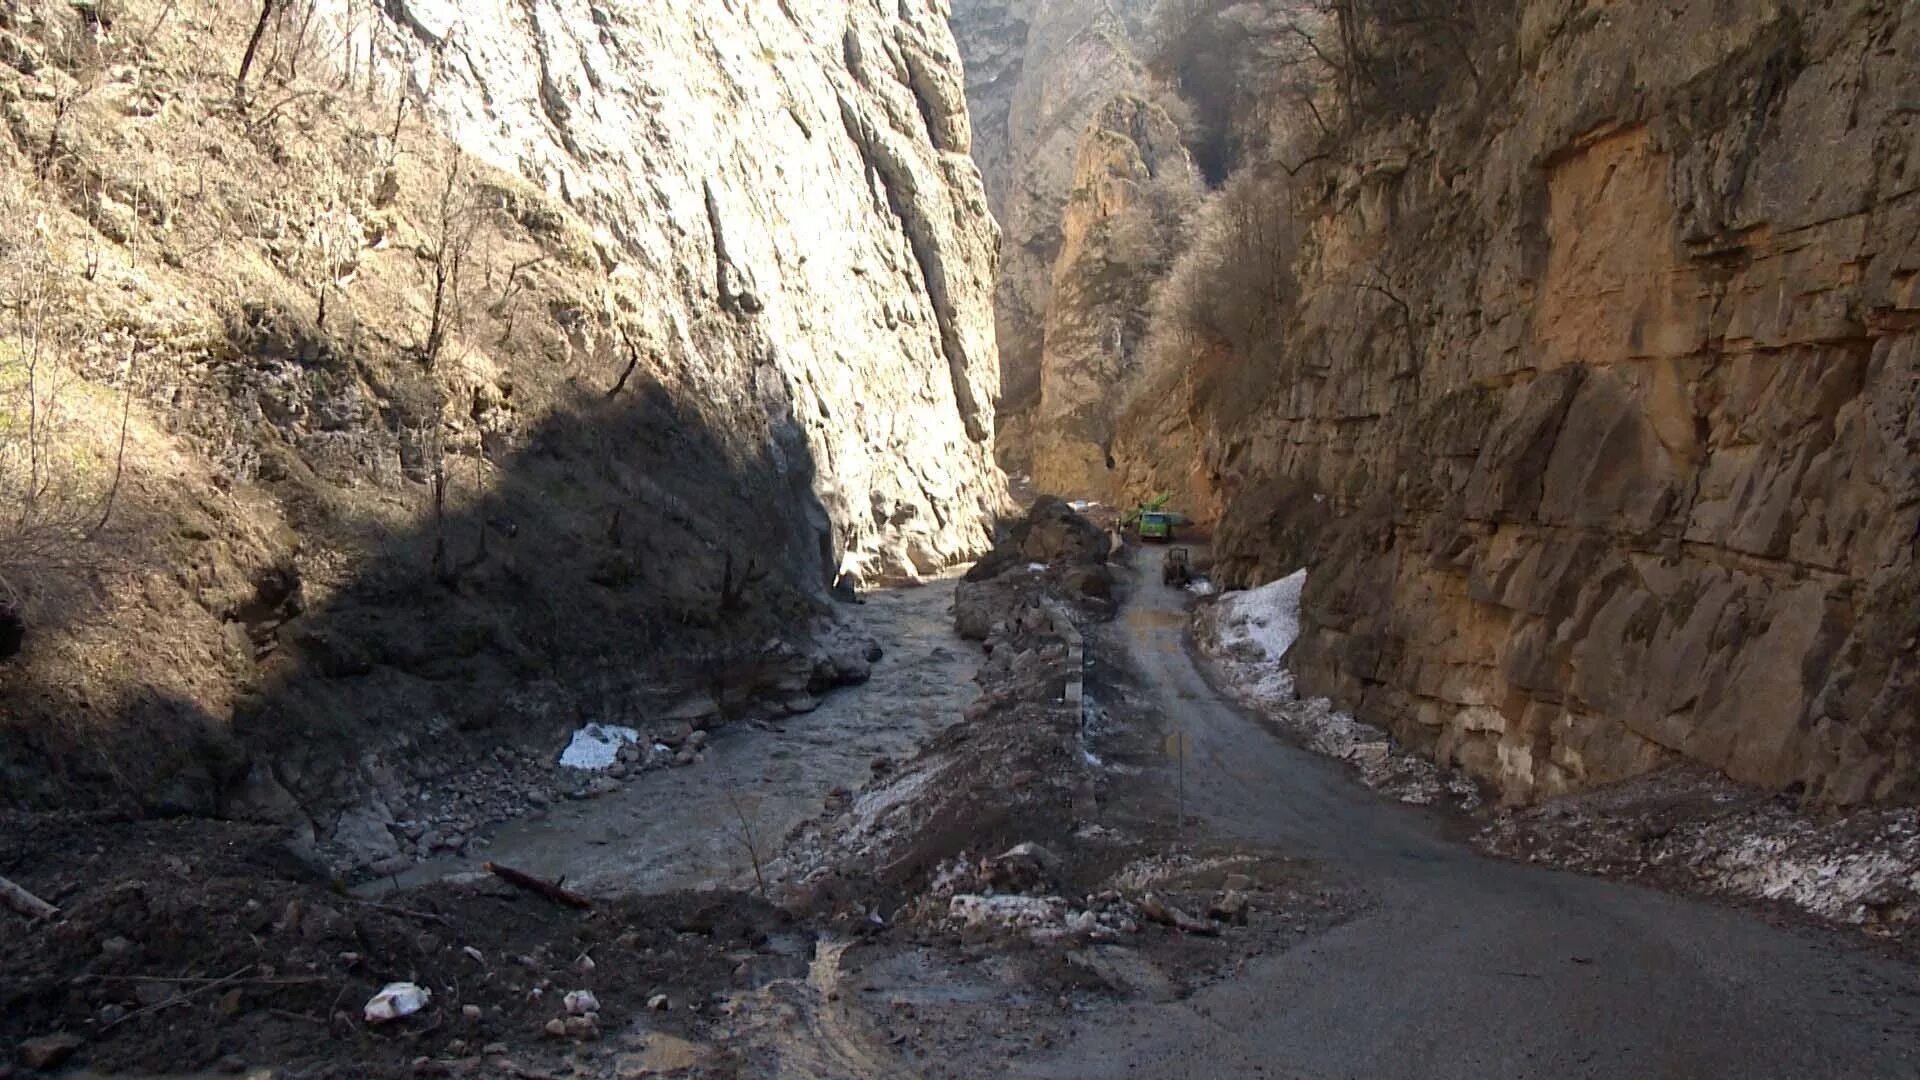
626,551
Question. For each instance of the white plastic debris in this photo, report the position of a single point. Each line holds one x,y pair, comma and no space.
597,746
581,1002
396,1000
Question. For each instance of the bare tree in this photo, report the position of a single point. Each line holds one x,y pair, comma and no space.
451,237
267,8
746,831
733,590
53,504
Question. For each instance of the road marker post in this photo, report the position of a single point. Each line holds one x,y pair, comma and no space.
1178,744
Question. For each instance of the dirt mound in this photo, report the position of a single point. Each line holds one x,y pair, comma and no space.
1051,532
191,945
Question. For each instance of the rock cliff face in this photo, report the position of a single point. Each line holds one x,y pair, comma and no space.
800,167
1134,187
488,367
1597,418
1038,74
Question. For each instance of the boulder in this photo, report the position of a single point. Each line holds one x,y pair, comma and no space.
47,1051
1054,533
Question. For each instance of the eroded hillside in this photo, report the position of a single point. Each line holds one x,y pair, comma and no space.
479,369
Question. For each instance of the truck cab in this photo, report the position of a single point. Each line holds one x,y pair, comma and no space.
1156,525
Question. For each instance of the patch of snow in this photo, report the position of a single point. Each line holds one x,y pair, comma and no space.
1203,587
1036,568
596,747
870,810
1257,627
1249,633
1009,912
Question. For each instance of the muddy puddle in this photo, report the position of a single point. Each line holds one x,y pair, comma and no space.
700,826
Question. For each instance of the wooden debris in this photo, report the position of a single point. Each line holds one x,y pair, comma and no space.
538,886
1167,915
25,902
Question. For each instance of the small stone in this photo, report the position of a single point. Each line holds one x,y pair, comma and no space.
458,1048
229,1003
557,1028
48,1051
494,1049
150,993
584,1028
470,1012
1229,907
1237,883
539,799
115,946
659,1003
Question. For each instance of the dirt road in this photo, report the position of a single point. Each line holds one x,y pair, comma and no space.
1467,967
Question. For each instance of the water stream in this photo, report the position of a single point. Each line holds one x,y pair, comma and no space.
693,827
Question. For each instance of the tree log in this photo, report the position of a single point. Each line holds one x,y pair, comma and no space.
1166,914
25,902
539,887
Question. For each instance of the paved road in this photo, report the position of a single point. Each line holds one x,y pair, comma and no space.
1470,967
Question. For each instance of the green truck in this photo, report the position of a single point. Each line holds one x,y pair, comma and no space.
1156,525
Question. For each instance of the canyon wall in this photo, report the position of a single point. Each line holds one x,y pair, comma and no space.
1595,405
482,368
1134,188
1038,73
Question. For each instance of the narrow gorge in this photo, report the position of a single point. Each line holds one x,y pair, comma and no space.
1571,348
959,539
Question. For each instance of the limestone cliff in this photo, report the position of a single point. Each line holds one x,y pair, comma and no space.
1134,188
484,367
1594,410
1038,74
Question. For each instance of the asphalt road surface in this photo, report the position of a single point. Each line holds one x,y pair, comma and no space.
1468,967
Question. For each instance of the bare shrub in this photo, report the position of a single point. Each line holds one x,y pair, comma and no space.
452,233
1265,73
1235,280
58,489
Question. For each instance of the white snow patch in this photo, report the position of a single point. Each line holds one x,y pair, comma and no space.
596,747
1203,587
871,810
1012,912
1257,627
1249,633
